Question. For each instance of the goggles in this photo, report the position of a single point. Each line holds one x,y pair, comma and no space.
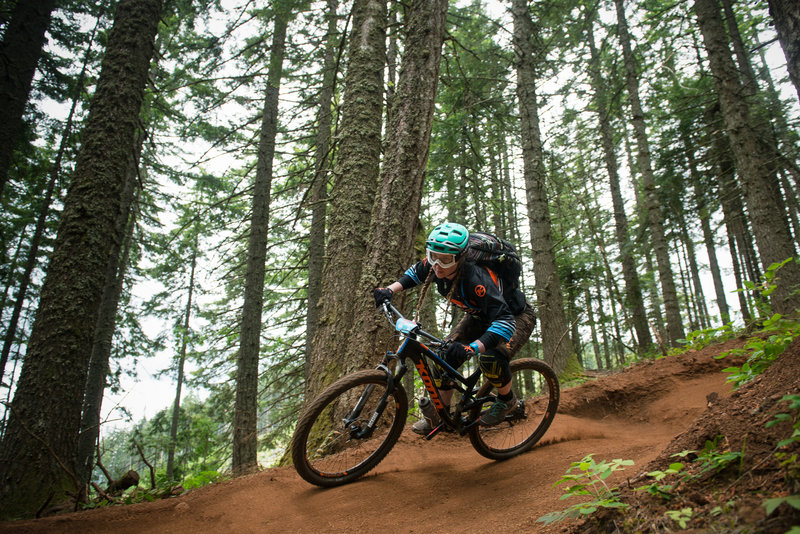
445,261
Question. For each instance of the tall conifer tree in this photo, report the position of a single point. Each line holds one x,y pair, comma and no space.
38,453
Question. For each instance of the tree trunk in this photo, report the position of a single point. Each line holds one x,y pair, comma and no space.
633,291
245,418
352,196
752,162
39,449
694,273
760,120
654,218
556,343
396,213
106,323
730,201
20,50
592,327
319,188
708,235
41,222
786,16
176,406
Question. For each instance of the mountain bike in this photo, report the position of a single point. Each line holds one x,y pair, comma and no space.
354,423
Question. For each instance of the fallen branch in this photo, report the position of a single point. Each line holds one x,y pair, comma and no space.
101,493
129,479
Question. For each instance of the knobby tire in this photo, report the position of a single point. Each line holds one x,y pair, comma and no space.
326,453
535,383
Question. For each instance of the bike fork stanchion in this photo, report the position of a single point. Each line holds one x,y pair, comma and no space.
352,416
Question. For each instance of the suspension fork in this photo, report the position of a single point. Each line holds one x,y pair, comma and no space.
391,384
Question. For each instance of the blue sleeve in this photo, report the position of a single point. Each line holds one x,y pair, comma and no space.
415,275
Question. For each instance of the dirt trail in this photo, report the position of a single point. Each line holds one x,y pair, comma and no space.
442,485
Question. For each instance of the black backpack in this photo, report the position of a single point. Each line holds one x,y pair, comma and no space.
498,255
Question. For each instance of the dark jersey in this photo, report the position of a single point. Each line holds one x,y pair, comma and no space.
479,293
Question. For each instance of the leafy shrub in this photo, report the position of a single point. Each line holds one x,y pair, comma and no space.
588,478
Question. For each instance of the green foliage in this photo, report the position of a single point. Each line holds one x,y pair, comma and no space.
772,504
202,478
588,478
762,349
794,404
202,446
711,458
786,454
770,341
682,516
661,490
698,339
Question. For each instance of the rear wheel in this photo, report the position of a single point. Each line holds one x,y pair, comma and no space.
332,444
536,387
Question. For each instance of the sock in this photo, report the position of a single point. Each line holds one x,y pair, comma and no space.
507,397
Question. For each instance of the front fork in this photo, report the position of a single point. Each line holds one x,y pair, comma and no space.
392,378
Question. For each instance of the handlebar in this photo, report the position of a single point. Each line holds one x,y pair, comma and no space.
390,312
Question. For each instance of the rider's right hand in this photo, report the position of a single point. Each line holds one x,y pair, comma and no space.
381,295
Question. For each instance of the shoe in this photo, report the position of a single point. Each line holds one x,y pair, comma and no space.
497,412
422,427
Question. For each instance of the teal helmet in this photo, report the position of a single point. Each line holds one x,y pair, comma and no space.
448,238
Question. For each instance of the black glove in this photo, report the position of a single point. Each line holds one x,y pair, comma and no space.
381,295
457,353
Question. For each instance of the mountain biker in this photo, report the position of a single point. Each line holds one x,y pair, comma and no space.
497,323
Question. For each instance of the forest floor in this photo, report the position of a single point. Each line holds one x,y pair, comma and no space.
645,413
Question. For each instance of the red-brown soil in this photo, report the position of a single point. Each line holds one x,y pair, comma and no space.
643,414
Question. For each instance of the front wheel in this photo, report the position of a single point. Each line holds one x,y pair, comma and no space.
536,387
333,443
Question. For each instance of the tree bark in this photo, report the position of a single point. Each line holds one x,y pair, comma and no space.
752,162
352,196
106,324
35,240
786,16
633,290
319,188
176,406
245,419
654,217
20,51
730,200
396,212
39,449
708,236
556,343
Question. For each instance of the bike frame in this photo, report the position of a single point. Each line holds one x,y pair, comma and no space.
411,348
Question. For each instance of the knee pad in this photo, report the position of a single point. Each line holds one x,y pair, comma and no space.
495,368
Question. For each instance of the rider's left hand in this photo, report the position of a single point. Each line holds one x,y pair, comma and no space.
457,353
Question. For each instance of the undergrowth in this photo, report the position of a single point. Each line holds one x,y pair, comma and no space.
587,477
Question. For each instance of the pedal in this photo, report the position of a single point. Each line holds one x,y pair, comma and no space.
435,431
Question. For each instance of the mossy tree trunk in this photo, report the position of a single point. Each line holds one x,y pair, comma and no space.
556,342
786,16
245,417
319,188
352,195
653,206
38,453
23,40
752,159
394,226
633,289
